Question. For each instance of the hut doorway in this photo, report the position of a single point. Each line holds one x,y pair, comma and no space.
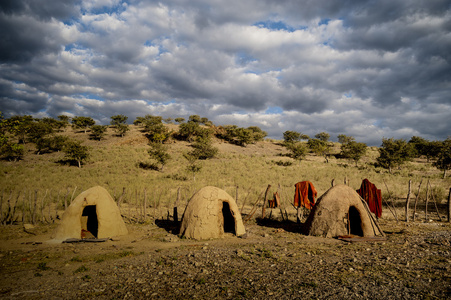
229,220
354,222
89,220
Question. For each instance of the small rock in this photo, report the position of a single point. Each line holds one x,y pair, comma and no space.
28,226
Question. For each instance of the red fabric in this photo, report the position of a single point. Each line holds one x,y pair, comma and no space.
305,194
372,195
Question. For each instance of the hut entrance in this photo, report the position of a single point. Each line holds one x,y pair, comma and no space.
89,220
354,222
229,220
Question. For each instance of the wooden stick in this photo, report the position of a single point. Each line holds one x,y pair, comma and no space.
42,206
280,199
449,206
8,214
33,218
175,214
65,198
408,201
236,195
14,209
145,204
393,204
253,210
264,201
372,218
1,208
435,203
245,200
72,198
427,200
416,199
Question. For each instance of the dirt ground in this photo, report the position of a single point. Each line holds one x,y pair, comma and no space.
272,261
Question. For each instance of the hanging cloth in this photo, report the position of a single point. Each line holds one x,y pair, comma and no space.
372,195
305,194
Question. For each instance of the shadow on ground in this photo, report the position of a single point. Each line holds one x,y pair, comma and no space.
288,226
170,226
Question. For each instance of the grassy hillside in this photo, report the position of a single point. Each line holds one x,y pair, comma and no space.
114,161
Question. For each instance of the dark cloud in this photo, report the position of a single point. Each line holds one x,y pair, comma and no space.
370,69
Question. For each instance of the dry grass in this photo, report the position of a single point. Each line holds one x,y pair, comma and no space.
114,165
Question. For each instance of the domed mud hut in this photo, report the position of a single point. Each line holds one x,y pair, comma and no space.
93,213
341,212
209,213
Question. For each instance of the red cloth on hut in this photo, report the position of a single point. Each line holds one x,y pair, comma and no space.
305,194
372,195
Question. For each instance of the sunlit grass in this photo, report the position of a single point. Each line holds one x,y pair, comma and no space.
115,166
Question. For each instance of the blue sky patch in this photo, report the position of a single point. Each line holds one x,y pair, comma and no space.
274,110
272,25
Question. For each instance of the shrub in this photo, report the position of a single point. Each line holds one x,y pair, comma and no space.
159,152
76,152
98,132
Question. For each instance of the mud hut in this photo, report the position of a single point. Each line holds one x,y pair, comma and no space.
209,213
93,213
341,212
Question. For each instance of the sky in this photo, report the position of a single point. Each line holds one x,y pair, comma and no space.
368,69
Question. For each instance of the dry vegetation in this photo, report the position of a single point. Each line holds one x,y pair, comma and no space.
274,261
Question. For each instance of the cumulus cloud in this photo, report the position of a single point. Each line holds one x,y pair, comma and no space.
350,67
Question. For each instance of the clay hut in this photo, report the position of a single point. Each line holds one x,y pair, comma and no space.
341,212
209,213
93,214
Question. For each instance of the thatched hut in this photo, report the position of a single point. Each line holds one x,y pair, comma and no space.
93,212
341,212
209,214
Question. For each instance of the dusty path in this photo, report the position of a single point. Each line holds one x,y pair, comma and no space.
270,263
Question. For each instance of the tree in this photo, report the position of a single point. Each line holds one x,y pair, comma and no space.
193,167
157,132
38,130
444,157
159,152
203,148
19,126
319,147
118,119
83,123
179,120
8,149
420,146
344,139
323,136
290,137
353,150
65,119
394,153
50,144
191,130
120,124
98,132
243,136
298,150
195,119
257,133
76,152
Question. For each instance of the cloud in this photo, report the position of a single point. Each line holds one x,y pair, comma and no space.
357,68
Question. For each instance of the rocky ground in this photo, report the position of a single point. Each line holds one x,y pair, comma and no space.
271,261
